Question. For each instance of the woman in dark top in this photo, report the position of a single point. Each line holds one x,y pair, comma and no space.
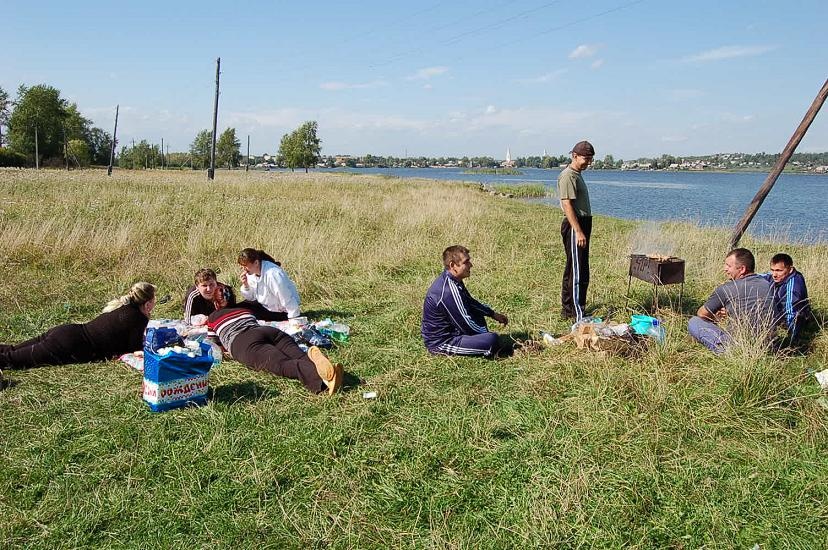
118,330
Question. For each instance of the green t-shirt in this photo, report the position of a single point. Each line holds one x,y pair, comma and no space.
572,186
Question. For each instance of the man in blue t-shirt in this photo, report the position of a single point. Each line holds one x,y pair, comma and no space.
453,322
745,301
791,306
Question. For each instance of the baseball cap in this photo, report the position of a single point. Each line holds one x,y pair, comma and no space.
584,148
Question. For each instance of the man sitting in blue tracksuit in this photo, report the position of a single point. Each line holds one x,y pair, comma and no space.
453,322
792,308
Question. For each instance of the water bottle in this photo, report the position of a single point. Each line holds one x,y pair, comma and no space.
656,331
215,351
548,339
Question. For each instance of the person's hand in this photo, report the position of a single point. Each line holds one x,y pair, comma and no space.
580,238
721,315
500,318
243,276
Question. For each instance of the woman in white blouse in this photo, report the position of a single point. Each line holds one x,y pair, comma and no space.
267,290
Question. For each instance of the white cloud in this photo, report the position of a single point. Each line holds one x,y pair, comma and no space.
427,72
733,118
278,118
548,77
673,139
727,52
597,64
490,110
584,50
335,86
427,87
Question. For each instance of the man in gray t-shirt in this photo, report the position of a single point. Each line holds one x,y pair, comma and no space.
745,301
576,231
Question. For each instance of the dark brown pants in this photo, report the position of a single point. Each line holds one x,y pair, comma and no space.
270,350
261,312
61,345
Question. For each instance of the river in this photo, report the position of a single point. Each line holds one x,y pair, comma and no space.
794,211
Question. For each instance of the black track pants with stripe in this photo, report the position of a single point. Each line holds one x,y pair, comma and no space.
576,272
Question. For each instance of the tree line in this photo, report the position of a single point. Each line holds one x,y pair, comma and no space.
41,127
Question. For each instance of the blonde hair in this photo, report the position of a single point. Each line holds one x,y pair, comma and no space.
140,293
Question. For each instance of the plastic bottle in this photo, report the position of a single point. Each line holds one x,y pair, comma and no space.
548,339
656,331
340,332
215,351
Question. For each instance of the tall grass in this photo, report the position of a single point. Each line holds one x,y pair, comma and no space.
558,448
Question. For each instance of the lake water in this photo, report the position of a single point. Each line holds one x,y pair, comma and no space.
794,210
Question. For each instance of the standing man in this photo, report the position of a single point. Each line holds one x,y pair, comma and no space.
792,309
576,229
745,300
453,322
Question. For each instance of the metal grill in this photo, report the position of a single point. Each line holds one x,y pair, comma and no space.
658,271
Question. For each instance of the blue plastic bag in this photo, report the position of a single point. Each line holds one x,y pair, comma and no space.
176,380
161,337
641,323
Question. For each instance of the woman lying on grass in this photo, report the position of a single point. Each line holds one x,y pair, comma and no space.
270,350
118,330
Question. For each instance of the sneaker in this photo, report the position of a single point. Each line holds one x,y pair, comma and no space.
331,375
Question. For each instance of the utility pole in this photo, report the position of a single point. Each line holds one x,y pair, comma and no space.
797,136
211,173
114,140
65,149
162,153
247,164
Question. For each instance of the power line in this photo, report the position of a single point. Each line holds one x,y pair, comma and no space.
503,23
457,38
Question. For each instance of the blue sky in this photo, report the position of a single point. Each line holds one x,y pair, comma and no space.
461,77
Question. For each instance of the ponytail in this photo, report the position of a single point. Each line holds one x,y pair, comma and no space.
138,295
250,255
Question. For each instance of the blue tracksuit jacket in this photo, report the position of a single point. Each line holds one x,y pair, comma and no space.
450,311
790,302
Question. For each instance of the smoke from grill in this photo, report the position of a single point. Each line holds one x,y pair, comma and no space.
649,240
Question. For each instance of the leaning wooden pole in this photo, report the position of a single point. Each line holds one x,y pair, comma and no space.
757,201
211,173
114,141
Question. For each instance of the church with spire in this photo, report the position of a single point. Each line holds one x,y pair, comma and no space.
508,163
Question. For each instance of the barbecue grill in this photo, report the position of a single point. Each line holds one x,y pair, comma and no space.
658,271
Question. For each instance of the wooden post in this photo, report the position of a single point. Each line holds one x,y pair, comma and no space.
757,201
65,149
114,140
247,164
211,173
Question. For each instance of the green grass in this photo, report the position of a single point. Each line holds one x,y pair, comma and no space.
523,190
675,448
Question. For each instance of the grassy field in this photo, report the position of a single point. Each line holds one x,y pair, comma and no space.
554,448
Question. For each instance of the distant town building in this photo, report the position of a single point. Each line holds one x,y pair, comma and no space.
508,163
